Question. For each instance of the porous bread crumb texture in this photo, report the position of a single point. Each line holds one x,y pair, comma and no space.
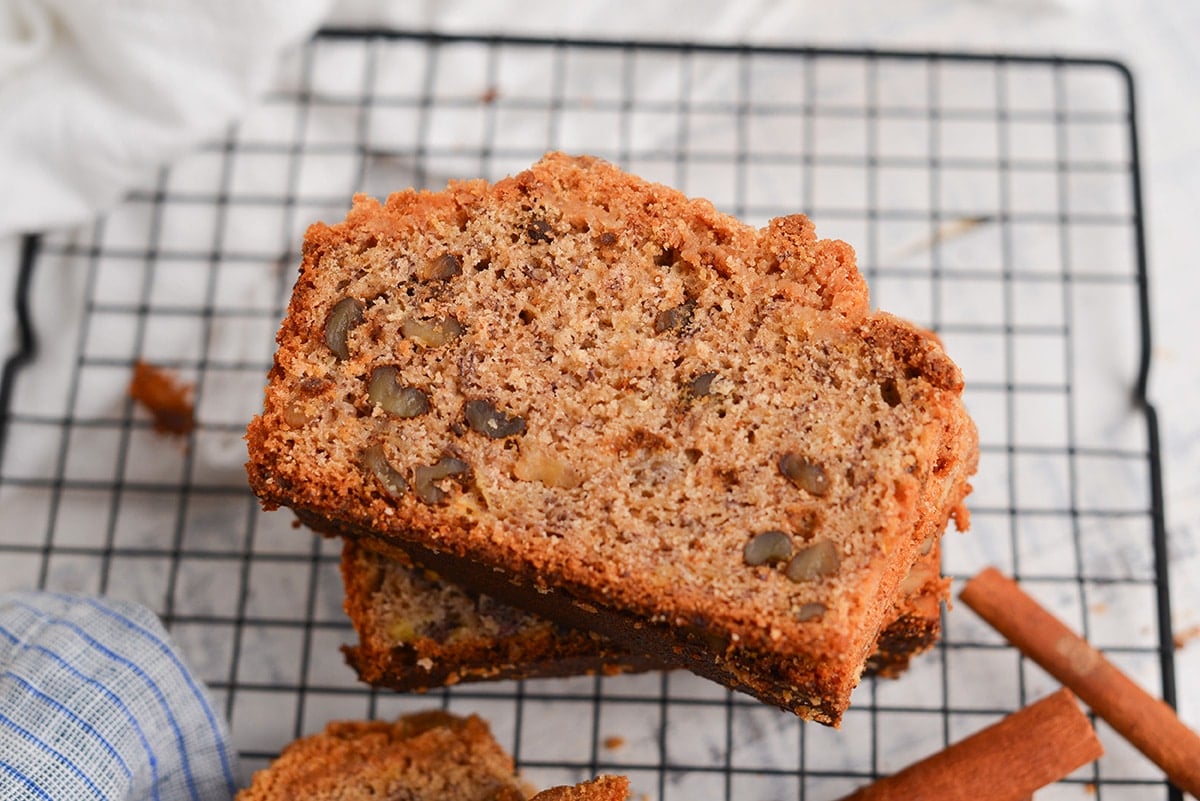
616,372
417,631
428,756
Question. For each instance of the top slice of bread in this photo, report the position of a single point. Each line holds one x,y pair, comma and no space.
586,394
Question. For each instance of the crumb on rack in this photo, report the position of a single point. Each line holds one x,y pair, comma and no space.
168,399
614,742
946,232
1183,638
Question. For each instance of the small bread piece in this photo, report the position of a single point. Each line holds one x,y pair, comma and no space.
587,395
165,397
601,788
427,756
417,631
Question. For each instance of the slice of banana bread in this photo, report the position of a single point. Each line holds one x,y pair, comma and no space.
417,631
427,756
589,396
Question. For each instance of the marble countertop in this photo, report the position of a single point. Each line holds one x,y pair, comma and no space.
1157,45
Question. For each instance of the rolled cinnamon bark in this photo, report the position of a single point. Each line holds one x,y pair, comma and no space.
1007,761
1145,721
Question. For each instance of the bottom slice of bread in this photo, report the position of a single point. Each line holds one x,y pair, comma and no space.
417,631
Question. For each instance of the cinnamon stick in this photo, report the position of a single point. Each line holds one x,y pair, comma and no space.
1145,721
1007,761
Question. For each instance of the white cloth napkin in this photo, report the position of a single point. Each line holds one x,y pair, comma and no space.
95,703
95,93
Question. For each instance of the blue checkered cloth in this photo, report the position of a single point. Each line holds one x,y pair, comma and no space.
95,703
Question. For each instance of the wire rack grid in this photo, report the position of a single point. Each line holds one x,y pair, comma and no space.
994,199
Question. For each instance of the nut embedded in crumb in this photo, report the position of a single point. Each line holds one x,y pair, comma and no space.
814,561
484,417
424,477
432,334
767,547
346,314
805,473
385,473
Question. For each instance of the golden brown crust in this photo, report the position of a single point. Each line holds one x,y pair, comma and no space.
588,303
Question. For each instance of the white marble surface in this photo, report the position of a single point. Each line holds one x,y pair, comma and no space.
1155,42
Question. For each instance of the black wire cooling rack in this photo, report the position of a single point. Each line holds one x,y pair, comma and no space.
992,198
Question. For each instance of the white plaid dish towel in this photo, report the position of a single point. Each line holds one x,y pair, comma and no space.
95,703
